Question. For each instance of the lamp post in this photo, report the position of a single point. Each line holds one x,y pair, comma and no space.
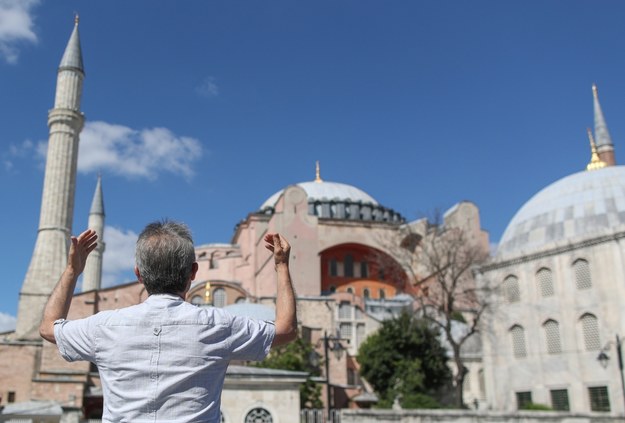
330,343
603,359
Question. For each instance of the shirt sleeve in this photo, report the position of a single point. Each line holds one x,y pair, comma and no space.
251,339
75,339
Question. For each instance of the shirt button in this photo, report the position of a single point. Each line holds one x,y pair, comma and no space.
157,331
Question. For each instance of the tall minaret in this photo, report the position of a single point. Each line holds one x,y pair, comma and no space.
57,204
605,148
92,278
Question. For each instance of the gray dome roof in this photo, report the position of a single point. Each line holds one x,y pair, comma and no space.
582,205
326,191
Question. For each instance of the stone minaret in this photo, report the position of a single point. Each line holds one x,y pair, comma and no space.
605,148
92,278
57,204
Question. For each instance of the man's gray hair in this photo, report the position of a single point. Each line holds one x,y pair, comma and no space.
165,257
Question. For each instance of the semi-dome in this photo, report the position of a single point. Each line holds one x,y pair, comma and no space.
322,190
580,206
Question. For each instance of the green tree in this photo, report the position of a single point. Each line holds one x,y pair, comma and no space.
296,356
404,359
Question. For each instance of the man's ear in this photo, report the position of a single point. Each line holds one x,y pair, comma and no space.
138,275
194,269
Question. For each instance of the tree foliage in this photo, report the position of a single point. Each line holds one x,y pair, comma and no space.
404,359
441,255
296,356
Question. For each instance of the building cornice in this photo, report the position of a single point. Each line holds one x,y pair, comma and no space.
553,251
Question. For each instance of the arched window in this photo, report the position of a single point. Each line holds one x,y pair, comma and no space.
382,294
582,274
240,300
552,336
518,341
197,300
258,415
333,268
366,293
545,282
349,266
350,290
219,297
364,269
511,289
590,330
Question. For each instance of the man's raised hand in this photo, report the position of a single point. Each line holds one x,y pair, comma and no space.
279,247
79,250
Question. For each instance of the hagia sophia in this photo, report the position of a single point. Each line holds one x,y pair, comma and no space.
558,307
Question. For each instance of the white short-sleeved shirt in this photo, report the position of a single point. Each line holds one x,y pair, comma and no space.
163,360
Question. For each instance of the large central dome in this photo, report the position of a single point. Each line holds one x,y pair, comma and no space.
333,200
326,191
580,206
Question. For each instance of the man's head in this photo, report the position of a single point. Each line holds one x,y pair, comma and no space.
165,258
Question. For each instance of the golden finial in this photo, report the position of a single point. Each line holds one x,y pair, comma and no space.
317,173
595,161
76,18
207,293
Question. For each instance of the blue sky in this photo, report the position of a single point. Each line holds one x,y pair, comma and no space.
200,110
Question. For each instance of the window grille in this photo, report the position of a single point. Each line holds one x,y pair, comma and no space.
545,282
511,289
599,399
552,336
346,331
523,399
345,310
258,415
358,313
349,266
197,300
518,341
364,269
560,399
366,293
219,297
590,329
333,268
582,274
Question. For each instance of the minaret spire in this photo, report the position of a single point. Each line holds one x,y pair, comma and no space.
57,204
604,145
595,161
317,173
92,279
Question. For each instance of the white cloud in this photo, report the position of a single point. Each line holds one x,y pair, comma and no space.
136,154
119,256
7,322
208,87
16,26
26,150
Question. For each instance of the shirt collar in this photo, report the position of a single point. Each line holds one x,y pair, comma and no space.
158,298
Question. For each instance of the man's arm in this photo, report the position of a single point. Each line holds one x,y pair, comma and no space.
286,315
61,297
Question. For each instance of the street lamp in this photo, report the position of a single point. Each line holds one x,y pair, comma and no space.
330,343
603,359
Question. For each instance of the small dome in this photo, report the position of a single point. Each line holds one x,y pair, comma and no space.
583,205
326,191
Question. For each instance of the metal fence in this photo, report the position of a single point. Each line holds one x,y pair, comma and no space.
318,415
